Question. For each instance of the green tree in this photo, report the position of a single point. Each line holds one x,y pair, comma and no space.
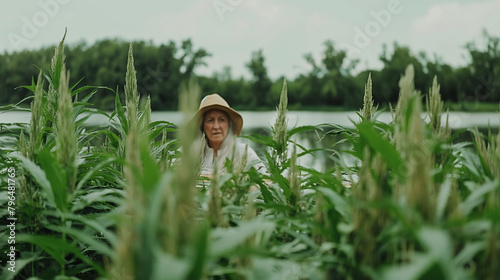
18,69
446,75
484,70
160,69
236,91
260,84
331,79
305,86
339,86
385,90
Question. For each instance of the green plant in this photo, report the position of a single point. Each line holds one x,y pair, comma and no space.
125,202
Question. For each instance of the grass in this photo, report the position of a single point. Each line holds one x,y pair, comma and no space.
122,202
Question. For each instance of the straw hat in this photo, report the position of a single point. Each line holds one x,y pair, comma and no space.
216,102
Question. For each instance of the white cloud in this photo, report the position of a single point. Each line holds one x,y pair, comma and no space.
465,18
284,30
445,28
271,15
187,23
319,22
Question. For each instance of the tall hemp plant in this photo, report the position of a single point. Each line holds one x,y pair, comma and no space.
127,250
56,185
412,143
117,203
157,234
280,129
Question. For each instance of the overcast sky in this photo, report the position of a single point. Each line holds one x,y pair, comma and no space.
231,30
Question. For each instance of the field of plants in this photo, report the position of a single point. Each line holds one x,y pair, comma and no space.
122,202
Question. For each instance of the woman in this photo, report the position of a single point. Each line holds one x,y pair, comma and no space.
221,125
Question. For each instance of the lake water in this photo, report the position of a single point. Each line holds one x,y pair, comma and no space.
261,122
254,120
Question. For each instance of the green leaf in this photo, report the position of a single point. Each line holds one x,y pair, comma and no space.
56,247
419,264
201,248
266,194
96,224
26,258
89,175
263,140
271,268
64,277
436,241
336,200
300,129
472,164
151,175
169,266
57,178
227,241
477,196
85,199
158,127
468,252
95,89
39,176
59,63
387,151
442,199
82,237
121,113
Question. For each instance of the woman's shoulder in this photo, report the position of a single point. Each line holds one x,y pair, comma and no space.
242,146
252,157
251,154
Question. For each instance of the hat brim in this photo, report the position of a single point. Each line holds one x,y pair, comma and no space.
236,118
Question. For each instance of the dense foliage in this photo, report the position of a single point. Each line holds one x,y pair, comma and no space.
121,202
332,80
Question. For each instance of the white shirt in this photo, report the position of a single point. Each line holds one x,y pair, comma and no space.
253,160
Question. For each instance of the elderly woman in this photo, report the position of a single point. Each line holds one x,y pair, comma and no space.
221,124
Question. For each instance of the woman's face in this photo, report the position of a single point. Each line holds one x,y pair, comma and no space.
215,126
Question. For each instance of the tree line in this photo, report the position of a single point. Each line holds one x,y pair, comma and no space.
331,82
